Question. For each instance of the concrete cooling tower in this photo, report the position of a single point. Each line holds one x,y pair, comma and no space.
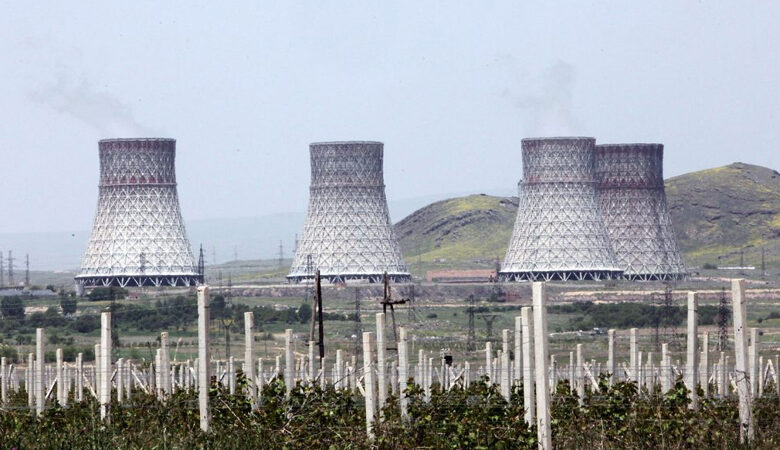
347,234
633,204
559,232
138,236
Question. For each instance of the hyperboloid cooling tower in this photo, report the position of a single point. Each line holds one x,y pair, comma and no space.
347,234
138,236
559,232
633,203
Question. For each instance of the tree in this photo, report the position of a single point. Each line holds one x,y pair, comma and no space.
12,308
68,305
217,307
304,313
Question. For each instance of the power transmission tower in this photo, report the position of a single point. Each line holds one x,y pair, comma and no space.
27,270
213,255
2,270
202,265
295,249
235,253
723,320
471,343
489,319
411,297
281,254
10,268
387,300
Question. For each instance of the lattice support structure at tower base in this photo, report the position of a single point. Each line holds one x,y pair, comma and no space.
347,235
138,236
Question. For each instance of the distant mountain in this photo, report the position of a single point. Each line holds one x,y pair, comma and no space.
715,212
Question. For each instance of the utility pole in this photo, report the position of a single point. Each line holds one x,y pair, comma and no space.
471,343
723,321
387,300
742,257
27,270
318,293
10,268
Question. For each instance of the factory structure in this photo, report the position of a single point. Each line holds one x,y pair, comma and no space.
589,212
138,236
586,212
347,235
633,203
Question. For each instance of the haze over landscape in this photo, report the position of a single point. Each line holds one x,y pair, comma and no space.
449,90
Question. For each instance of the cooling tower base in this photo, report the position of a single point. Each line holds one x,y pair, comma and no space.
140,280
560,275
654,276
343,279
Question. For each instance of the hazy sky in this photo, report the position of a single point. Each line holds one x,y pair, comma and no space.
449,87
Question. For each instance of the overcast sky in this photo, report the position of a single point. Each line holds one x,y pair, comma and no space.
449,87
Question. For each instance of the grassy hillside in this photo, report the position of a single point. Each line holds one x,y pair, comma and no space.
718,212
715,212
460,232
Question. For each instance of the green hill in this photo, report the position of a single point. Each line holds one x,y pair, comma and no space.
716,212
460,232
719,212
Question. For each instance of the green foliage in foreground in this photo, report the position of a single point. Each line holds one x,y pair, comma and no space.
476,418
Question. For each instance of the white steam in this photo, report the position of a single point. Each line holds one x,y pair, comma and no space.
98,109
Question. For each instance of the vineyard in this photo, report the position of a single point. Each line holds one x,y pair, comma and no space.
518,396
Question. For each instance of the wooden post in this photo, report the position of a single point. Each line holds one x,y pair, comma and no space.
505,373
666,369
165,365
611,355
403,373
580,376
529,401
289,362
312,365
704,370
105,366
249,357
80,377
692,362
743,380
381,375
62,390
30,382
518,375
541,357
753,362
489,361
40,394
204,359
4,380
634,356
368,381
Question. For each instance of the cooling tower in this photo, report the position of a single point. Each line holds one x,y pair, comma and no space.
559,233
347,234
138,236
633,203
